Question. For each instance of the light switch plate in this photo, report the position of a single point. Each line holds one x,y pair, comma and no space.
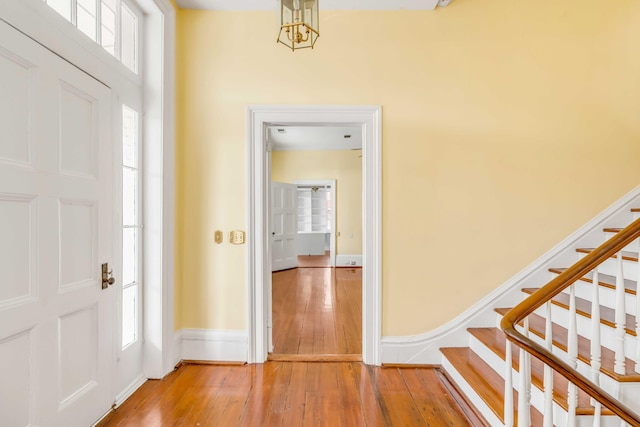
217,236
236,237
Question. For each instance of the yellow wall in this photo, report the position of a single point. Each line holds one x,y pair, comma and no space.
343,166
506,126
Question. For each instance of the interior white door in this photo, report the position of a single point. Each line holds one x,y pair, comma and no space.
56,323
284,225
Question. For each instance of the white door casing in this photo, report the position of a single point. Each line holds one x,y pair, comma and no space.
258,271
284,226
56,198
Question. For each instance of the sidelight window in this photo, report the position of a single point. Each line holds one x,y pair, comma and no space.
131,227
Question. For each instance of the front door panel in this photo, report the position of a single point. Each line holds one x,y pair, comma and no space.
56,195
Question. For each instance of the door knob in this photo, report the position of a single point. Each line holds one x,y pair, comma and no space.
107,276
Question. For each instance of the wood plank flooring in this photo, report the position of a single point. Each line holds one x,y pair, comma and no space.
294,394
317,311
310,261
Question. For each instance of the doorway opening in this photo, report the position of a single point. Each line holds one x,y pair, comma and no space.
316,310
260,119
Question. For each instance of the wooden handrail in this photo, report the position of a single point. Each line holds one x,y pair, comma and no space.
553,288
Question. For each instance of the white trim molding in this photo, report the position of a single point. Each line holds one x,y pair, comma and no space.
159,185
424,348
326,4
177,348
212,345
131,388
258,273
344,260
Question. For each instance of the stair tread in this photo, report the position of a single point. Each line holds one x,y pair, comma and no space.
605,280
626,255
583,308
487,383
495,340
560,334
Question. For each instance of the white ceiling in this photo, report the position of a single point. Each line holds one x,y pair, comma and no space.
324,4
300,138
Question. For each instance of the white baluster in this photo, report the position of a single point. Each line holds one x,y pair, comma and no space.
638,317
508,387
596,349
572,400
548,372
572,351
621,318
597,414
524,393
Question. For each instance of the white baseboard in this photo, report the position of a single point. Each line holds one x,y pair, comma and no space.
131,388
177,347
424,348
212,345
349,260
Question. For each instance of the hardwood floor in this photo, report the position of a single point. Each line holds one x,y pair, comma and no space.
309,261
317,311
294,394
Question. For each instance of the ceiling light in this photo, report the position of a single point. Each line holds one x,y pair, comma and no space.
298,23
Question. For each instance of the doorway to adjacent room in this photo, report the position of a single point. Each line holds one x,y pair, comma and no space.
259,274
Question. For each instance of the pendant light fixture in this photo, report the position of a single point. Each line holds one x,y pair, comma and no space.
298,23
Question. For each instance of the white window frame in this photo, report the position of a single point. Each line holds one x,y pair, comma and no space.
133,7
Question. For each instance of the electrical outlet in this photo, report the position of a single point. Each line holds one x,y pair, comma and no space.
236,237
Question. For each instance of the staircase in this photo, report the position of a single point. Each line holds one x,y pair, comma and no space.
591,325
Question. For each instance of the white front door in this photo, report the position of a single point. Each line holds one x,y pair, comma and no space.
284,225
56,227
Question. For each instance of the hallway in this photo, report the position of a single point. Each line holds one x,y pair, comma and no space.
317,311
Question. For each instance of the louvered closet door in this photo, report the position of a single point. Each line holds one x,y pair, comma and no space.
56,344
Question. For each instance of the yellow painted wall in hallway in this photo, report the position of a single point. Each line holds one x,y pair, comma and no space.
343,166
507,125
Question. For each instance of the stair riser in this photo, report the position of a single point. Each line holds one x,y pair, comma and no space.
629,268
632,247
560,316
470,394
537,395
607,296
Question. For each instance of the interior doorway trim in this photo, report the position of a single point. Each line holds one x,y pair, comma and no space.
258,268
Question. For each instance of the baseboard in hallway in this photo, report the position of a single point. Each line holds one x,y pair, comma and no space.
314,357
